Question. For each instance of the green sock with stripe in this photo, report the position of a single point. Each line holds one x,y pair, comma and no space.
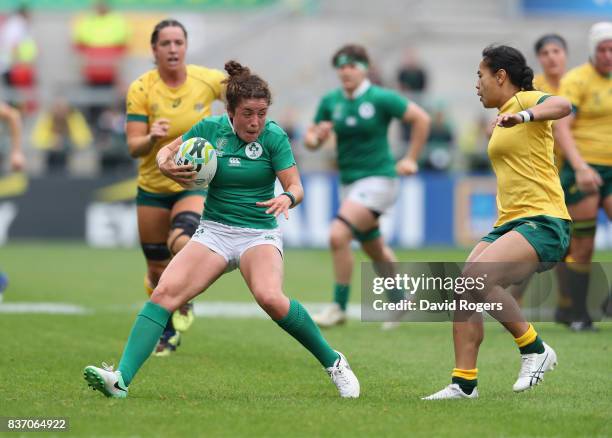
298,324
341,294
147,329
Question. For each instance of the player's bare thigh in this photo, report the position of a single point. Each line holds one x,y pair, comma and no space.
358,215
189,273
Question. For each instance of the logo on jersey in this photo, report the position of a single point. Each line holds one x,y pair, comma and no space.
366,110
337,113
176,102
221,143
234,162
253,150
351,121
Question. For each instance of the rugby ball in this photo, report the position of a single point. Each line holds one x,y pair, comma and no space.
202,155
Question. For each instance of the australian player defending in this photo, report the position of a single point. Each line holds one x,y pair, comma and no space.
161,105
359,113
586,140
238,230
533,223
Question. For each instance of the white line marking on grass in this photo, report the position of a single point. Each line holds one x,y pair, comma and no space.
48,308
206,309
231,309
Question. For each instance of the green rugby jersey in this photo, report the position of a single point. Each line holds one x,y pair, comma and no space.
246,172
361,125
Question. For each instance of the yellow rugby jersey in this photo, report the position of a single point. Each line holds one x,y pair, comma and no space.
541,84
149,99
591,96
522,158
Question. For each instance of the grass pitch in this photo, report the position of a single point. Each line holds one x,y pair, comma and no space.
246,377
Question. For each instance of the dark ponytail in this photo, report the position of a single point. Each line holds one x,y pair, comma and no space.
513,62
242,84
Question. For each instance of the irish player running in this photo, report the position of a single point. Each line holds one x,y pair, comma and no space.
586,140
359,113
533,222
161,105
238,230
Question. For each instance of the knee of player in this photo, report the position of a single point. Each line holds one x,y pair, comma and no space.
165,295
581,252
183,226
270,299
339,237
177,241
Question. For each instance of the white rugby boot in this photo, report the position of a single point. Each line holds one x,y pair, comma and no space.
344,378
331,316
533,367
452,391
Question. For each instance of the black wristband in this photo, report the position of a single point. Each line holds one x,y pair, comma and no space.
531,116
290,196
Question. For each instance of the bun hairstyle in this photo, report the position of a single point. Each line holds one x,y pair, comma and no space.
242,84
513,62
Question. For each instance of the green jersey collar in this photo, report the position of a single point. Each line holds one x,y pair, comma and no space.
229,122
360,90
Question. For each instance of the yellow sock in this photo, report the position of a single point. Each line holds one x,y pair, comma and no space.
527,338
465,374
147,285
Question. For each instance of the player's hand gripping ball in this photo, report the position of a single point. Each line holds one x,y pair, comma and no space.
202,156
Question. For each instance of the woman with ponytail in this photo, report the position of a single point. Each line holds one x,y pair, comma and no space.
532,229
238,230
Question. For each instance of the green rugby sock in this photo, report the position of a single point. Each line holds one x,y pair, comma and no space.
147,329
341,294
298,324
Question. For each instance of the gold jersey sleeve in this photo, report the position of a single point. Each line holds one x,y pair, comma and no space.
522,159
591,96
149,99
541,84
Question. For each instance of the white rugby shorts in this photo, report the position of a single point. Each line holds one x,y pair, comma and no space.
377,193
231,242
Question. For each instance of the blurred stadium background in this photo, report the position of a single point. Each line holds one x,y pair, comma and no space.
84,185
70,244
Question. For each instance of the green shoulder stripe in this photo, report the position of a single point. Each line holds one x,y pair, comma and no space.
137,118
542,99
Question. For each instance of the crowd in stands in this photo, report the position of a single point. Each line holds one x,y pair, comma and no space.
59,128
